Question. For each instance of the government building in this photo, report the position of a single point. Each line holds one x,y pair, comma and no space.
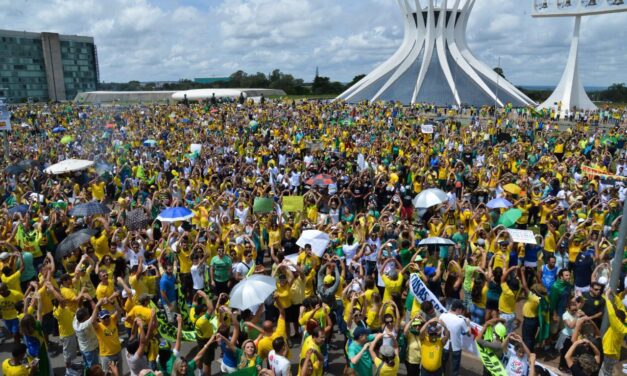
43,67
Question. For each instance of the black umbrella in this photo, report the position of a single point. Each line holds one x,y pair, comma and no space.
22,209
15,169
137,219
89,209
74,241
29,164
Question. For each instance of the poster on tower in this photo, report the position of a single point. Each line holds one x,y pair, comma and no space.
5,116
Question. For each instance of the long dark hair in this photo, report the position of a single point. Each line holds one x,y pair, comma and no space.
477,288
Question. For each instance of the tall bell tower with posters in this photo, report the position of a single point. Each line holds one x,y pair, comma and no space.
570,95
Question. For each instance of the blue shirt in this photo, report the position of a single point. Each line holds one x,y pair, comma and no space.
166,284
549,276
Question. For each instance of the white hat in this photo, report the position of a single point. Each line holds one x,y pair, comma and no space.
125,295
603,280
4,255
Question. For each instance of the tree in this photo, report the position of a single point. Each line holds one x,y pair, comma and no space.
499,71
355,80
615,93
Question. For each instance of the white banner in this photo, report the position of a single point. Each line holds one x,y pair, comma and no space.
522,236
426,128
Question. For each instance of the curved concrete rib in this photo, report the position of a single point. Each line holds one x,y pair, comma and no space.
424,36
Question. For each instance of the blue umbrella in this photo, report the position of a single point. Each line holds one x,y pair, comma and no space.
499,203
58,129
175,214
150,143
22,209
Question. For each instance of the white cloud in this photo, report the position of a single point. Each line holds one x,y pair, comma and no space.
172,39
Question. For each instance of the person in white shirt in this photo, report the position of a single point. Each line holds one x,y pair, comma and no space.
458,327
198,268
277,360
85,333
520,358
242,268
350,248
295,180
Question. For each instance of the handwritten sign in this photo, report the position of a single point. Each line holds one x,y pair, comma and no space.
522,236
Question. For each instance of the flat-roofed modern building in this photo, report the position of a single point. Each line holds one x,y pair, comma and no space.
46,66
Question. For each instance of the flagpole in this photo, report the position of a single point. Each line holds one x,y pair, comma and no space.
496,95
617,263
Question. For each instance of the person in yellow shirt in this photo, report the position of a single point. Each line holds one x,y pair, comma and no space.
97,188
387,362
17,365
270,333
12,278
311,350
204,330
100,241
65,316
8,312
393,281
432,344
82,273
105,289
531,322
507,300
414,353
141,310
615,334
108,338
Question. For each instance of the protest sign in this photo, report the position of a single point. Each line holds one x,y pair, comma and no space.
293,204
522,236
263,205
426,128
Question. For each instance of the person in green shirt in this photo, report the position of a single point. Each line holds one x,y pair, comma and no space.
220,272
477,262
358,354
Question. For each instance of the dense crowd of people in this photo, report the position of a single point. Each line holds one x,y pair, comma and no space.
134,291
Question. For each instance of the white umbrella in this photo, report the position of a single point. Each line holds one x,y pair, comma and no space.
252,291
436,241
68,165
317,239
430,197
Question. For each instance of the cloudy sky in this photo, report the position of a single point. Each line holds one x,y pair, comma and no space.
151,40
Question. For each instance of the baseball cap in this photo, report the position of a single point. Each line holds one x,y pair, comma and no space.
500,330
387,351
4,255
329,279
104,314
360,331
429,271
603,280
